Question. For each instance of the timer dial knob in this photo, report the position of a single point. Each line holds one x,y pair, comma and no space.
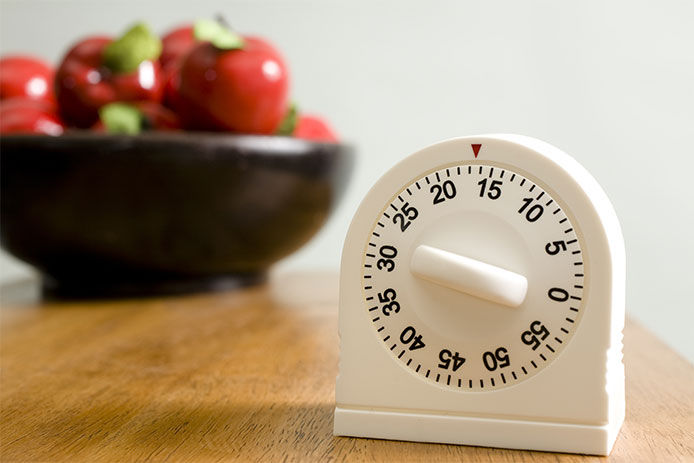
469,276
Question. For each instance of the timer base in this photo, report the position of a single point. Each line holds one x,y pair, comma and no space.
477,431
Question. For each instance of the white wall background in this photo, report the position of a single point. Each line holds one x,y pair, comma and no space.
612,83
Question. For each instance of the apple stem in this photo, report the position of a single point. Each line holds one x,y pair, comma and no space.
219,17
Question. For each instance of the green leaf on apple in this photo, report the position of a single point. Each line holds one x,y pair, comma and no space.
129,51
289,121
219,35
121,118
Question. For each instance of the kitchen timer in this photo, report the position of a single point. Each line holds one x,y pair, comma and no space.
482,302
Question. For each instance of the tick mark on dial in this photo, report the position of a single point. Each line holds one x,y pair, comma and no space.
503,378
577,251
513,373
409,192
578,286
469,169
491,172
394,208
408,362
386,214
524,370
557,211
428,373
571,241
512,177
532,362
368,287
540,196
542,355
481,383
380,224
376,319
393,346
558,340
400,198
376,234
438,179
458,170
576,298
502,174
372,244
418,187
386,338
427,180
522,182
493,384
448,173
367,266
569,320
563,220
418,368
578,263
568,230
448,381
470,384
549,202
578,275
480,169
381,329
532,188
370,255
373,308
573,308
438,376
401,354
565,331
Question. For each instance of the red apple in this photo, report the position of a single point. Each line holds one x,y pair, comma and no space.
99,70
25,76
26,115
233,83
314,128
175,44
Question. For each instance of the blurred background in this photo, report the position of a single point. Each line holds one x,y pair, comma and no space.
611,83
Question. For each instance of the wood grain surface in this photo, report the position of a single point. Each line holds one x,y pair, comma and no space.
247,376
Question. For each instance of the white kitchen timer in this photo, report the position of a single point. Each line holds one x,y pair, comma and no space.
482,302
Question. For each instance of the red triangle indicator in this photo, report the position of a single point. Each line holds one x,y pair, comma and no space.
476,148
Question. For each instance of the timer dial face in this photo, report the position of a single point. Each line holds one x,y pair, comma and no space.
485,213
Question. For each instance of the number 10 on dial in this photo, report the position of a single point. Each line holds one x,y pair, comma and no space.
482,302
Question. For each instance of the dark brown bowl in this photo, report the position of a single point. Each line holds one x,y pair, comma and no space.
163,212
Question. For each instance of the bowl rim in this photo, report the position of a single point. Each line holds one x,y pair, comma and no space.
272,142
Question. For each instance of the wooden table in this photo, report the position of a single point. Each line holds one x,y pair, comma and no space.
247,376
